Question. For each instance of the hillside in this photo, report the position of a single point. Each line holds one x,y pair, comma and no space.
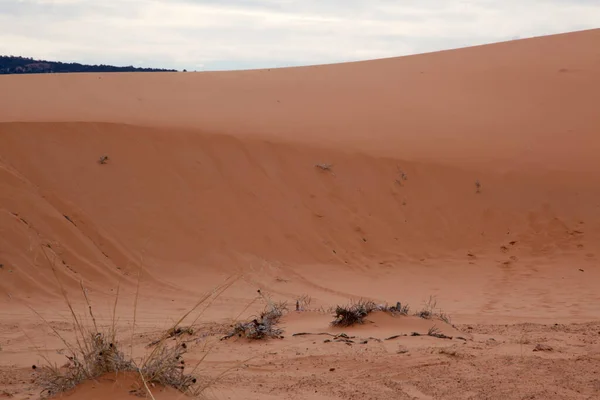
22,65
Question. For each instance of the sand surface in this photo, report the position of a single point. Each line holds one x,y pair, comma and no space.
214,175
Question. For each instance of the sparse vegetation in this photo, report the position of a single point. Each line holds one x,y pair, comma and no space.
399,309
429,311
96,354
263,327
303,302
103,159
354,313
96,351
401,177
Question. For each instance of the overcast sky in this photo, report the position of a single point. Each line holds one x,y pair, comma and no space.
239,34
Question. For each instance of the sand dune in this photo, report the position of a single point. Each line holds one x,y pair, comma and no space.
216,174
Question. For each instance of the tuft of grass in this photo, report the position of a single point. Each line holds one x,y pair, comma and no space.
433,331
303,302
166,367
430,311
96,356
95,351
399,309
262,327
354,313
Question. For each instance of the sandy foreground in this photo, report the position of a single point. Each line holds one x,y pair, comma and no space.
214,176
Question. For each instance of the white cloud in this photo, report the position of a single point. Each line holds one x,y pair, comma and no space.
243,33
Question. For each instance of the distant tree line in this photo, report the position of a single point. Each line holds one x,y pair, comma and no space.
24,65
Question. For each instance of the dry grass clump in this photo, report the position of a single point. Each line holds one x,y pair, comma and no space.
303,302
354,313
263,327
95,355
429,311
398,309
166,367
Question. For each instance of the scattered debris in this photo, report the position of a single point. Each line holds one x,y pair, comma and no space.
69,219
543,347
395,336
433,332
402,177
325,167
448,352
174,333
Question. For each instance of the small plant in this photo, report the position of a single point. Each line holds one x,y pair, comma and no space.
264,326
166,367
429,311
353,313
303,302
103,159
433,331
401,177
399,309
96,354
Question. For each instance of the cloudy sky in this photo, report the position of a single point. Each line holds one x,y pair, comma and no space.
240,34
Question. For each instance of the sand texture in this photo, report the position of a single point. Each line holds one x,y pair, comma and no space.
469,177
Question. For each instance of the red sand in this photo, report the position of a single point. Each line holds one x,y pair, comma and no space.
213,174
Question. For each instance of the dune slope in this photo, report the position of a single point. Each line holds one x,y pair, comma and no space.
336,181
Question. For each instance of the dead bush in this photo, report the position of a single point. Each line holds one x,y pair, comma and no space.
263,327
354,313
95,351
429,311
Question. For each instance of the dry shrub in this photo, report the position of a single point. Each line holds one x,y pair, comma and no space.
398,309
264,326
303,302
354,313
166,367
429,311
95,353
